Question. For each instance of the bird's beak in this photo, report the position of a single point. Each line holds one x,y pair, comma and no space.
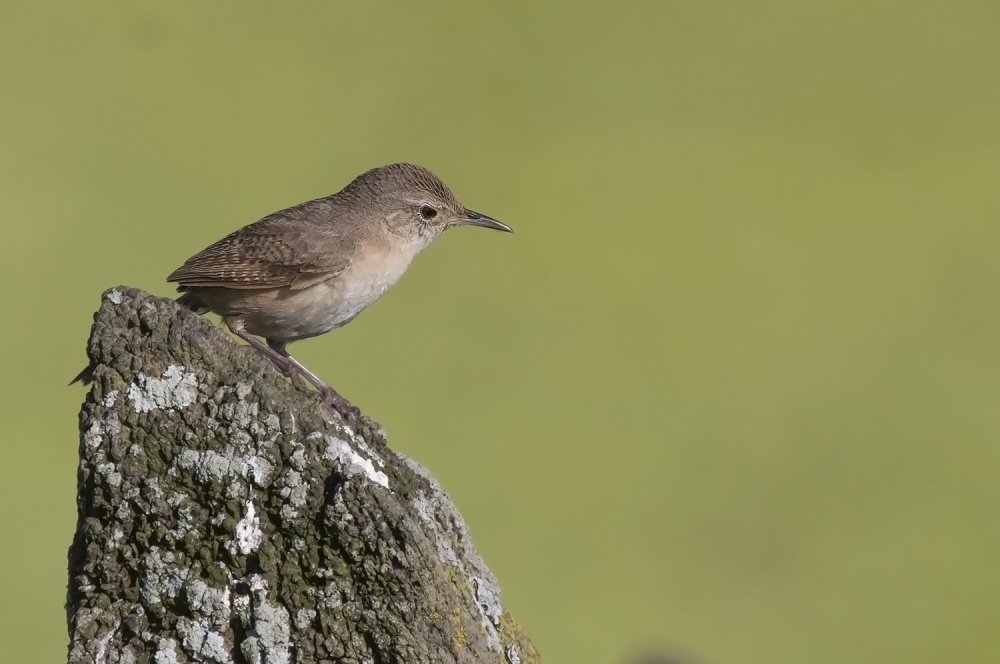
475,219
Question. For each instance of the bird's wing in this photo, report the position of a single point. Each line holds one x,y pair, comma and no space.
288,248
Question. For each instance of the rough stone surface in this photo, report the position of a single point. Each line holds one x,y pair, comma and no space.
226,517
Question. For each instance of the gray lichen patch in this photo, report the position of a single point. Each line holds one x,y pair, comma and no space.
442,540
295,492
211,466
304,618
213,604
96,433
359,441
166,652
268,640
162,575
110,474
488,598
248,535
354,462
267,624
202,643
176,389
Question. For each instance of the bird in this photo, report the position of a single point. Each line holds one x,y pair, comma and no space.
312,268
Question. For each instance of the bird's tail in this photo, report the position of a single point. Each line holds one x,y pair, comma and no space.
86,376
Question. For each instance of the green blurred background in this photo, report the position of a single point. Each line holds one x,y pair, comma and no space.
730,390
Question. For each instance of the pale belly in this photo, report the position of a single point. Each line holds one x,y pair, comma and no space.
288,314
300,314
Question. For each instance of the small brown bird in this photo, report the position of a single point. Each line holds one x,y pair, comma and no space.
311,268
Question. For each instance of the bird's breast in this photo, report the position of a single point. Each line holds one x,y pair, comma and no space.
298,314
372,274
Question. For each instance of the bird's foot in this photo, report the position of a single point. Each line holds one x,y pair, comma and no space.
295,376
350,413
296,372
327,396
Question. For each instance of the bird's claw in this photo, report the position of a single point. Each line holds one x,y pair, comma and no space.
297,381
350,413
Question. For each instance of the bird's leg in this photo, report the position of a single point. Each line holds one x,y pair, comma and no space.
330,395
291,367
284,363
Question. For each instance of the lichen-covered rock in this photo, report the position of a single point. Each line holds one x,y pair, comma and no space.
226,517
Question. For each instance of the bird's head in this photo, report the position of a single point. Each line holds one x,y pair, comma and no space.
416,203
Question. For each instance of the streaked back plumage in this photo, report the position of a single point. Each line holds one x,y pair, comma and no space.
281,250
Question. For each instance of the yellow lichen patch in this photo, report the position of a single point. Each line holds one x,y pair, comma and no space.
511,635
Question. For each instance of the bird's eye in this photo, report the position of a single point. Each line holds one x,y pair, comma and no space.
427,212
